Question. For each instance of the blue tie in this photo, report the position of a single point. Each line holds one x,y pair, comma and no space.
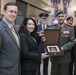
43,27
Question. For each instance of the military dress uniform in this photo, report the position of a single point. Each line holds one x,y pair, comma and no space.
69,21
60,64
74,54
41,45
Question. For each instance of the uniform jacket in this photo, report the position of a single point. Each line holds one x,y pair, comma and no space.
66,41
41,46
29,50
9,52
74,48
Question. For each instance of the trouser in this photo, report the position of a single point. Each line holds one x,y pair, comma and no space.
45,67
75,68
60,69
71,67
31,72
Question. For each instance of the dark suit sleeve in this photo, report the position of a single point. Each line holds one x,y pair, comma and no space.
0,40
25,50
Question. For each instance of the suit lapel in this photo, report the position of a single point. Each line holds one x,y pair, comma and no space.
40,27
7,29
34,40
47,26
63,29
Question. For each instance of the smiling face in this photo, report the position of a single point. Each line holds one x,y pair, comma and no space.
61,18
10,13
30,26
43,21
70,22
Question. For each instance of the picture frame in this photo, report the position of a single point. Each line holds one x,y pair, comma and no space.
52,44
53,49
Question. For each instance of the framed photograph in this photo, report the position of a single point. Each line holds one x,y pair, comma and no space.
53,49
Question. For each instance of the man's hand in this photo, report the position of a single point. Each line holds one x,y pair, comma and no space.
44,55
41,33
43,39
62,48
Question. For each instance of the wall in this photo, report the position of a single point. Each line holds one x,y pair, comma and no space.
3,2
39,4
71,10
47,1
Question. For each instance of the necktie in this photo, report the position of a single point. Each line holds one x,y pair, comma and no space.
60,26
43,27
15,35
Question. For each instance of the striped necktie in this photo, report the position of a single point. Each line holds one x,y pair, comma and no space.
43,27
15,35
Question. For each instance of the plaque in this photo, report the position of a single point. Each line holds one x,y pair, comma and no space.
52,42
53,49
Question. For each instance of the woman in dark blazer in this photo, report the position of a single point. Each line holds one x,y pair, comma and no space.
29,47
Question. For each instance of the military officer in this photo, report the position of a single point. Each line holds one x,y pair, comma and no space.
43,25
60,64
69,21
73,51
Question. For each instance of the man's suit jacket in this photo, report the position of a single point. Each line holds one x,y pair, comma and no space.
66,41
41,46
29,51
9,52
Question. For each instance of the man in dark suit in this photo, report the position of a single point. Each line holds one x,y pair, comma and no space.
60,64
43,25
9,43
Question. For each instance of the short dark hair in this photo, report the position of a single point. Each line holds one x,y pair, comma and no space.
9,4
70,17
23,28
1,16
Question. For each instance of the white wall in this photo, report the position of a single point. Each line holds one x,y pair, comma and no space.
3,2
47,1
71,10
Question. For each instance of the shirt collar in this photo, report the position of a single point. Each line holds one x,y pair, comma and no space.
8,24
45,26
61,25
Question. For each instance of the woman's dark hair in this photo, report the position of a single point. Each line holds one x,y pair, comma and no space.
23,29
9,4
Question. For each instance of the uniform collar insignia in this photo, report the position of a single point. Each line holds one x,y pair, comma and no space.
63,25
